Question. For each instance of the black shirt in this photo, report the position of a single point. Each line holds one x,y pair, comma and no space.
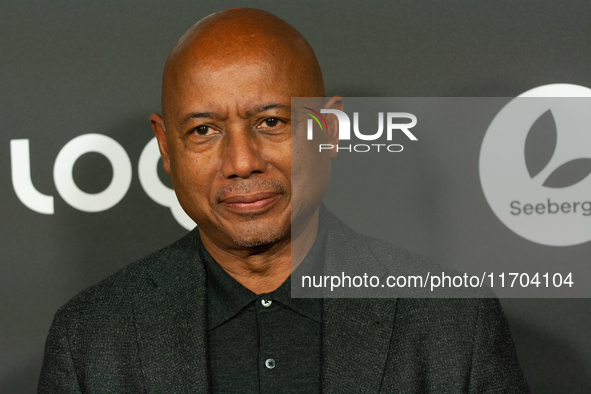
267,343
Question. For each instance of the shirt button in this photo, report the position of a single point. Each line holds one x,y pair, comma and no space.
266,304
270,363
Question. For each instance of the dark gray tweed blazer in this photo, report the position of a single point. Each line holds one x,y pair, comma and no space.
143,330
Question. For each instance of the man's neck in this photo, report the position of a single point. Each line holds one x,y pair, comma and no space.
264,271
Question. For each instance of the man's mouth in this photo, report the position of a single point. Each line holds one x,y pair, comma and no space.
251,203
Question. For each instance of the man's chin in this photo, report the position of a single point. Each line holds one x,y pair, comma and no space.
254,238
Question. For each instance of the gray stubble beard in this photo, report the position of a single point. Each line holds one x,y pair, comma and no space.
261,238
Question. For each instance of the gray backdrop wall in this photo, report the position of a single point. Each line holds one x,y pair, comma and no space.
69,68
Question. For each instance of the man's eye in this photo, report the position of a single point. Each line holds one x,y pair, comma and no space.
202,130
271,122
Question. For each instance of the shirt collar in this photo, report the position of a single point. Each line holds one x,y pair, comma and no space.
227,297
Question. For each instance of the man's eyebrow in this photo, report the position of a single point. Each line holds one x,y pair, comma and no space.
263,108
199,115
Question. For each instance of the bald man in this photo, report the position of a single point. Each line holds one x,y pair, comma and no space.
213,312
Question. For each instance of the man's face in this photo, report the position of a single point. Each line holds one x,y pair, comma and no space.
228,146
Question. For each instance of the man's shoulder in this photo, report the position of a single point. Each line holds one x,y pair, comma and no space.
123,286
355,252
381,250
388,255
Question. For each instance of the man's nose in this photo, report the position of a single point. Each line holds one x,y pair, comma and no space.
242,155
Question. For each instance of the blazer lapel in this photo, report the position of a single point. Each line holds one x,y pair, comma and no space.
356,332
171,322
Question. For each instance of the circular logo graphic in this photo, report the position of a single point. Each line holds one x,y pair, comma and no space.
535,162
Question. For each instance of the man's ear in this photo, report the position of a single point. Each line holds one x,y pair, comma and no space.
335,102
160,132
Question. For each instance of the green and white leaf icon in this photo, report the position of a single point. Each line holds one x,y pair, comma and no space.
570,173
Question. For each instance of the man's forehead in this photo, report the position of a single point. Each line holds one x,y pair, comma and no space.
242,86
205,71
239,88
201,65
